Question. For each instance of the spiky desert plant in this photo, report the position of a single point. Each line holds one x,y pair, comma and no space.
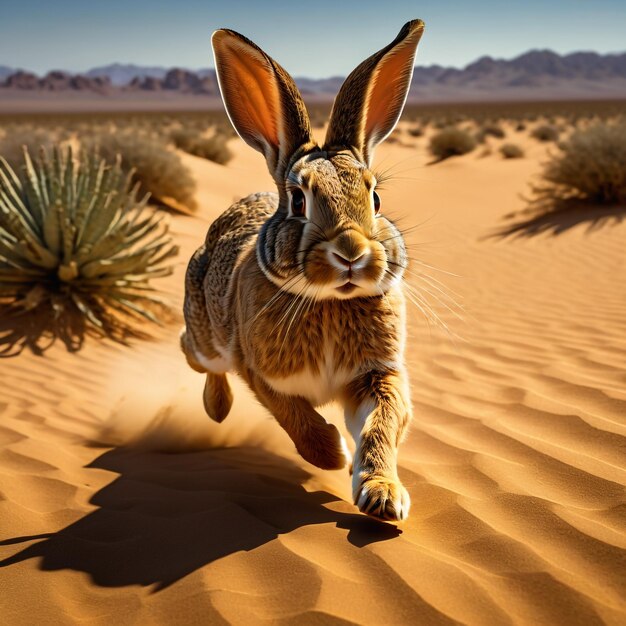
76,243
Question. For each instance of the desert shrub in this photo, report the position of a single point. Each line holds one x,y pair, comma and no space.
545,132
451,142
520,127
318,115
416,131
395,136
489,130
158,170
511,151
76,243
18,137
213,148
590,165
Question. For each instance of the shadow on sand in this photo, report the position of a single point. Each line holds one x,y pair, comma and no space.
39,328
559,218
168,515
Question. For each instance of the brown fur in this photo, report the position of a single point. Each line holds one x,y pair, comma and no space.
217,397
310,309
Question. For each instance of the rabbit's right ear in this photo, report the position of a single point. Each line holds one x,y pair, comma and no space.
370,101
261,99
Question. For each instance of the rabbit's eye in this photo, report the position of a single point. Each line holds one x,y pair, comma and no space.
298,203
376,203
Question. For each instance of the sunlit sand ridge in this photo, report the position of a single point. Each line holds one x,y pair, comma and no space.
515,463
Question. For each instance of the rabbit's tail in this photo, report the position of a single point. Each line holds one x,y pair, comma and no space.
218,397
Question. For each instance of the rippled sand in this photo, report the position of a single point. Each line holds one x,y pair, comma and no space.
516,461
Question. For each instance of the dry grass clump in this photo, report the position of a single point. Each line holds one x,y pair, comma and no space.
545,132
158,170
590,166
77,251
489,130
395,137
213,148
20,136
416,131
451,142
511,151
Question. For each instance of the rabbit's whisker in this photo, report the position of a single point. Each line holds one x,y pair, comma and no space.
290,304
436,284
426,309
430,267
281,292
299,302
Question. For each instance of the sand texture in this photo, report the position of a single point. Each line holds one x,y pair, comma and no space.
516,460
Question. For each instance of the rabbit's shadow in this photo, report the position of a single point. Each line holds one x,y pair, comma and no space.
167,515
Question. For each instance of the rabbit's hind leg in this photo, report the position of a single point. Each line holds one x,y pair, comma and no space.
194,360
217,397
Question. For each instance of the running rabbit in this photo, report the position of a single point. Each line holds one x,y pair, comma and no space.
300,291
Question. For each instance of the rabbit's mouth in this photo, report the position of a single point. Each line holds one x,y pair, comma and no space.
347,288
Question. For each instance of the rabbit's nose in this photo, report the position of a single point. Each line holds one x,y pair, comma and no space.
347,262
342,260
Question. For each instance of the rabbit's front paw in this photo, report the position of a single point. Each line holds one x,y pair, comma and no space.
382,497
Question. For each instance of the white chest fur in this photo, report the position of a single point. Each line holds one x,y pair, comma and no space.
318,387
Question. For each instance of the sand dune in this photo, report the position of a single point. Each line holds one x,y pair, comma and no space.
516,461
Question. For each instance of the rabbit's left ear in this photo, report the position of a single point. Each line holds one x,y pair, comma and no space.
261,99
371,99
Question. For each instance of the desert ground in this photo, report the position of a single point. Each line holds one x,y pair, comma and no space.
121,503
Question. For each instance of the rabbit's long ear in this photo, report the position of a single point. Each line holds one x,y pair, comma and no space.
370,101
261,99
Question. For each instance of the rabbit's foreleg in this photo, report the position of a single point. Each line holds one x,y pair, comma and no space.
378,410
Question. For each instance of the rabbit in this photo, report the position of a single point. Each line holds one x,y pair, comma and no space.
300,292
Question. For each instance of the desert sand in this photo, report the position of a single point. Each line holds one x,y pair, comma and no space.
516,461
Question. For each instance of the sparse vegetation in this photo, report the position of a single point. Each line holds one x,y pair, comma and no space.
75,243
545,132
158,170
451,142
22,136
395,136
489,130
590,165
416,131
213,148
511,151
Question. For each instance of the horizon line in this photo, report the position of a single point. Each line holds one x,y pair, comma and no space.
205,68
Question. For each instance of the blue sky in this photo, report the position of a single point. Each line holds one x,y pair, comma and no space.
315,38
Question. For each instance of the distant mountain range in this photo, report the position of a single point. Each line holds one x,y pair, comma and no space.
5,71
121,74
534,75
